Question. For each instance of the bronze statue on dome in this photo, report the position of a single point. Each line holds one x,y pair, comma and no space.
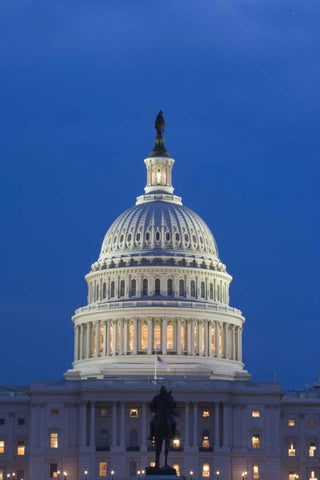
159,124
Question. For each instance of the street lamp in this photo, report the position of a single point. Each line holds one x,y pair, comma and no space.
65,475
85,475
244,474
191,474
139,473
142,471
217,474
58,473
112,473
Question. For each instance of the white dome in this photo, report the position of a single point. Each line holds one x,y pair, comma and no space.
159,228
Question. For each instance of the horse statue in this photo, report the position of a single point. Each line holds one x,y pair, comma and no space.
163,424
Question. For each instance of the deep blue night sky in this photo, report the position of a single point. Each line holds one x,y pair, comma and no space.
80,85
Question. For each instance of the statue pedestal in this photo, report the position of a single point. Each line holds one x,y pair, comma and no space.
161,473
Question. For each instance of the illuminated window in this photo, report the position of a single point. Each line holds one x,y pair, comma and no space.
170,337
102,469
181,288
202,290
54,440
205,441
1,474
134,412
255,472
213,340
133,288
312,449
131,337
112,289
291,423
176,443
183,337
193,288
2,447
255,413
122,288
292,476
54,412
145,287
206,470
104,412
152,464
312,475
312,422
291,450
111,337
21,448
158,176
157,286
157,337
169,288
101,340
53,470
255,441
176,466
202,341
205,414
144,337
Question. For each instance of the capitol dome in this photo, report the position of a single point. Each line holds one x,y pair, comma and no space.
158,292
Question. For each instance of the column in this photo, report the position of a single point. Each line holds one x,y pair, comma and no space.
188,324
192,337
105,340
121,342
122,425
210,339
88,340
178,337
108,337
135,336
114,337
81,342
216,426
206,342
164,336
200,330
186,427
150,336
83,423
233,342
143,427
114,426
227,352
217,329
97,332
195,426
240,344
125,337
76,342
92,423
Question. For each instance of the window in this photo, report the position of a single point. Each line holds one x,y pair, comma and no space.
167,236
205,440
312,422
157,337
312,475
122,288
205,414
177,237
170,338
152,464
206,470
181,288
157,236
104,412
112,289
144,337
176,466
133,288
21,421
145,287
291,450
134,412
148,236
193,288
292,476
132,469
291,423
2,421
2,447
138,236
255,472
169,288
54,412
102,469
255,413
53,470
202,290
312,449
176,443
157,286
54,440
255,441
21,448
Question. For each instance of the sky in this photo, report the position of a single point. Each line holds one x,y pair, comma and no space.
80,85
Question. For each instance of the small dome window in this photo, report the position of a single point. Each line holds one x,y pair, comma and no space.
129,237
186,237
201,239
147,236
121,238
167,236
157,236
177,237
115,239
194,239
138,236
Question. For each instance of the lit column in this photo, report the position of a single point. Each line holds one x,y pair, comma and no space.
105,340
216,426
114,337
114,425
186,426
97,332
189,327
192,337
206,336
178,326
164,336
226,338
92,423
125,337
210,340
217,330
195,426
122,425
76,342
200,330
121,339
108,337
143,427
81,342
233,342
135,336
150,331
88,340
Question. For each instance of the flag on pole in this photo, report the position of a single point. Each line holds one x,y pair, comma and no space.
162,364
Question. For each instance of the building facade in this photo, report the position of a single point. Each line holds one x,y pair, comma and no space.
158,313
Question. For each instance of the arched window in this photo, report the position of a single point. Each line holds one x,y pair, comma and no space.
157,337
144,337
133,438
104,290
122,288
181,288
203,291
145,287
170,339
157,286
169,288
193,288
133,288
211,291
112,289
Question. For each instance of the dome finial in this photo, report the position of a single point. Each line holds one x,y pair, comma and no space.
159,149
